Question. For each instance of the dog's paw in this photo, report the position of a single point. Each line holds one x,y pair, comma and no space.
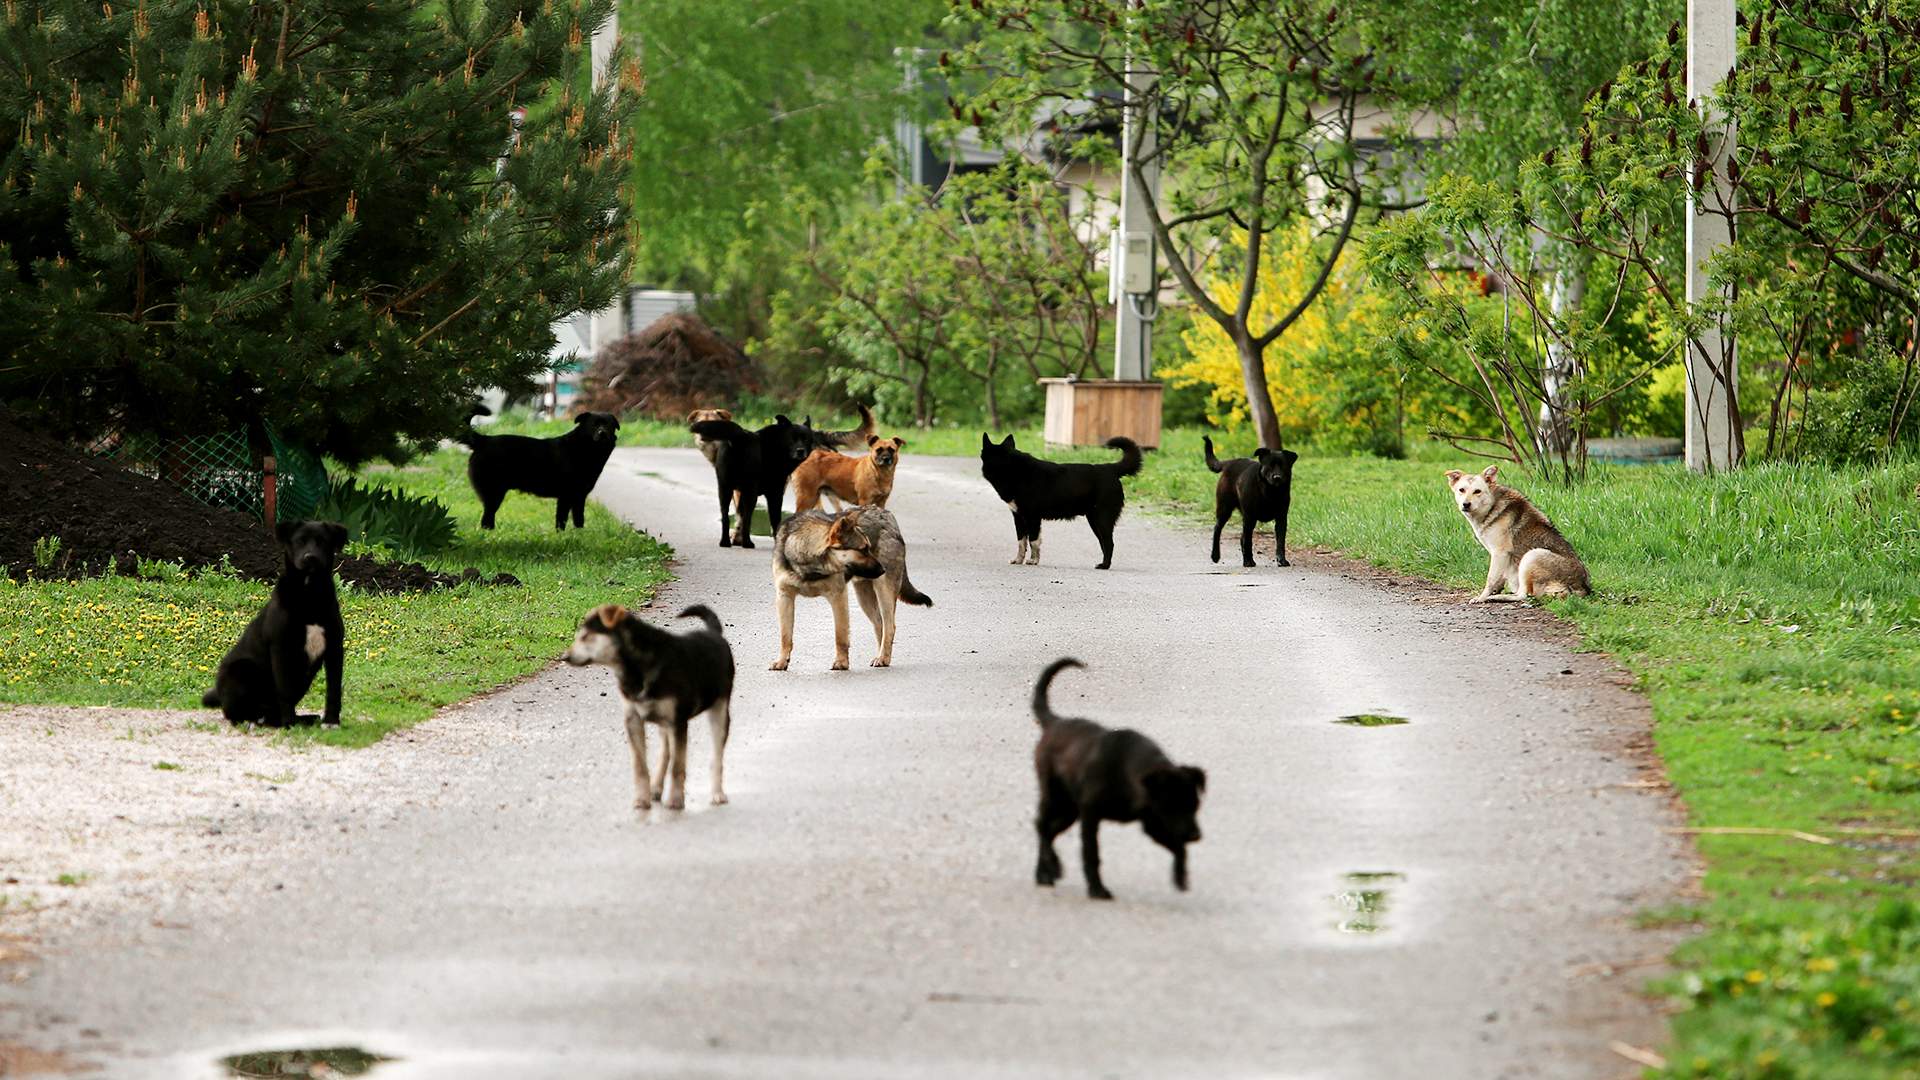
643,804
1247,563
1216,556
1017,561
1044,879
881,661
678,802
777,665
726,541
1098,892
838,665
747,543
1480,599
1103,566
719,799
1283,562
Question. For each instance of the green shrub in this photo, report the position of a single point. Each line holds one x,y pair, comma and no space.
411,526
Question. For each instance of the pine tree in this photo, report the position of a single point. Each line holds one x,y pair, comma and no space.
215,213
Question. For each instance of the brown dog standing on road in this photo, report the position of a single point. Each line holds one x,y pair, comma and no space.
862,481
1525,552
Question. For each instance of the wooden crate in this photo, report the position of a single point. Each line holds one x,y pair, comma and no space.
1088,412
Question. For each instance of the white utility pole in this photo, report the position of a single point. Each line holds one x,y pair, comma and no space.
1133,282
1712,442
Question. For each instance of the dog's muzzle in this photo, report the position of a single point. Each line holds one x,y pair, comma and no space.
874,571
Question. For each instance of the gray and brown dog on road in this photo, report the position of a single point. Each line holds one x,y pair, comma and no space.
666,679
820,554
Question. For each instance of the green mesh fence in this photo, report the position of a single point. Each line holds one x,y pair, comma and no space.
221,470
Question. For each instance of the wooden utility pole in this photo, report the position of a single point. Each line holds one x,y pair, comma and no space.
1713,412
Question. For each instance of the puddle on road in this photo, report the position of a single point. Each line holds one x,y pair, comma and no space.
316,1063
1364,900
1368,719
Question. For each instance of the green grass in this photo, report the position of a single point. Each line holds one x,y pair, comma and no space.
153,642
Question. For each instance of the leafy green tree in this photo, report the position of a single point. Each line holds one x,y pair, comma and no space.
1262,111
754,109
221,213
933,303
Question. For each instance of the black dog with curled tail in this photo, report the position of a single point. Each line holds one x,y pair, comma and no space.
1089,773
1261,488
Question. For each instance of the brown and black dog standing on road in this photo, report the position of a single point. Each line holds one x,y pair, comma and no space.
666,679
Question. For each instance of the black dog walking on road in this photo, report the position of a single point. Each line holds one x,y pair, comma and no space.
1091,774
563,468
1037,490
274,663
755,464
1261,488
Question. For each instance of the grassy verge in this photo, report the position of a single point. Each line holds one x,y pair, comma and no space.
1773,620
153,642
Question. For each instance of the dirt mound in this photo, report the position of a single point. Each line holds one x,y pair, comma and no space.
674,365
87,516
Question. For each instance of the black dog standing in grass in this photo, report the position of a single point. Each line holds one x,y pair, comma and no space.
755,464
1037,490
1091,774
272,666
1261,488
563,468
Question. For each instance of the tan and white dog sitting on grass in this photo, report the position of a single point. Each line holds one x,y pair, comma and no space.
1527,555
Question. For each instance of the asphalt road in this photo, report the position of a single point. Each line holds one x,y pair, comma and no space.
865,906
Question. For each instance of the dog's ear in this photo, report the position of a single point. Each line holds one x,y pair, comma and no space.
694,416
872,439
1490,472
899,443
725,414
1289,457
1196,774
1007,443
336,536
583,418
1454,475
614,420
609,616
985,441
283,531
781,419
1262,453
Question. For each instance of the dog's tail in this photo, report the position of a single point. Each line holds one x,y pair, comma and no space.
855,439
724,430
210,699
912,595
1129,462
1041,710
1213,463
704,614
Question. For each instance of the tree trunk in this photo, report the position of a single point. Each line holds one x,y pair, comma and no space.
1253,370
1561,368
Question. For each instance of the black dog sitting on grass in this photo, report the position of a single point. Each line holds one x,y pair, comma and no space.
273,665
563,468
1091,774
1261,488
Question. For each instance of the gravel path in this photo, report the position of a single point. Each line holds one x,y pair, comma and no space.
1446,898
